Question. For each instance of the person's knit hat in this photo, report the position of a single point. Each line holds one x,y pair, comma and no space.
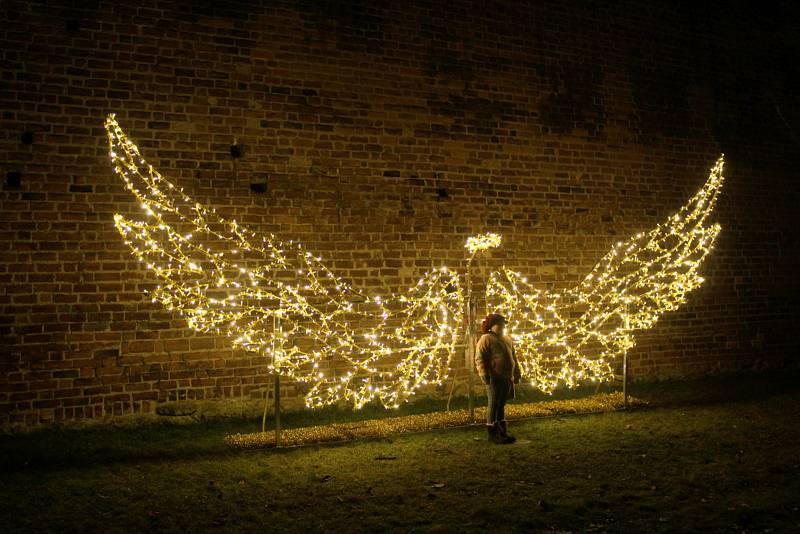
490,320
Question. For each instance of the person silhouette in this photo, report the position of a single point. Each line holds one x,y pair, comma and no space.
496,364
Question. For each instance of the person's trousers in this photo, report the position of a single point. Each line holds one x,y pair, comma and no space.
497,390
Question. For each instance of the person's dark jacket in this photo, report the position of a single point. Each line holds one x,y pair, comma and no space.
495,357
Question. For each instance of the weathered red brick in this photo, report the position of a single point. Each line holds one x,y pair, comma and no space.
563,149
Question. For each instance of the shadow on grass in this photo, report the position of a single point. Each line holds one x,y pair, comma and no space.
718,388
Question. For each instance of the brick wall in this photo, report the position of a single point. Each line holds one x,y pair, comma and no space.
383,137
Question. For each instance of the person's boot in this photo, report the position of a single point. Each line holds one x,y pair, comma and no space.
491,430
495,435
504,432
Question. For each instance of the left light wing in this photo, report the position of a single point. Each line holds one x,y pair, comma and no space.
275,298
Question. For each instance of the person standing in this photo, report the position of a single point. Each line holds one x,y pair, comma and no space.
496,364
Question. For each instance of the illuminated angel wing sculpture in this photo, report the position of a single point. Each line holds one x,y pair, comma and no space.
576,334
276,299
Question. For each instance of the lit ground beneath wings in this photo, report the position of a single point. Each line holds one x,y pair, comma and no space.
603,402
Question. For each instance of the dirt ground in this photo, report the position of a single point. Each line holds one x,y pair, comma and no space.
717,454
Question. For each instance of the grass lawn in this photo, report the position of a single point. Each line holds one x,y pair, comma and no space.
717,454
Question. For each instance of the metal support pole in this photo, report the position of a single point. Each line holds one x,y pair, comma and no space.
625,378
471,381
625,364
276,330
277,410
264,415
470,345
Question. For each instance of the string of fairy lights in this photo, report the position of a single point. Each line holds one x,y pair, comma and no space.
576,334
276,299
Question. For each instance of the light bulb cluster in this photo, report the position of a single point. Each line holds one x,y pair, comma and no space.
481,242
276,299
576,334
